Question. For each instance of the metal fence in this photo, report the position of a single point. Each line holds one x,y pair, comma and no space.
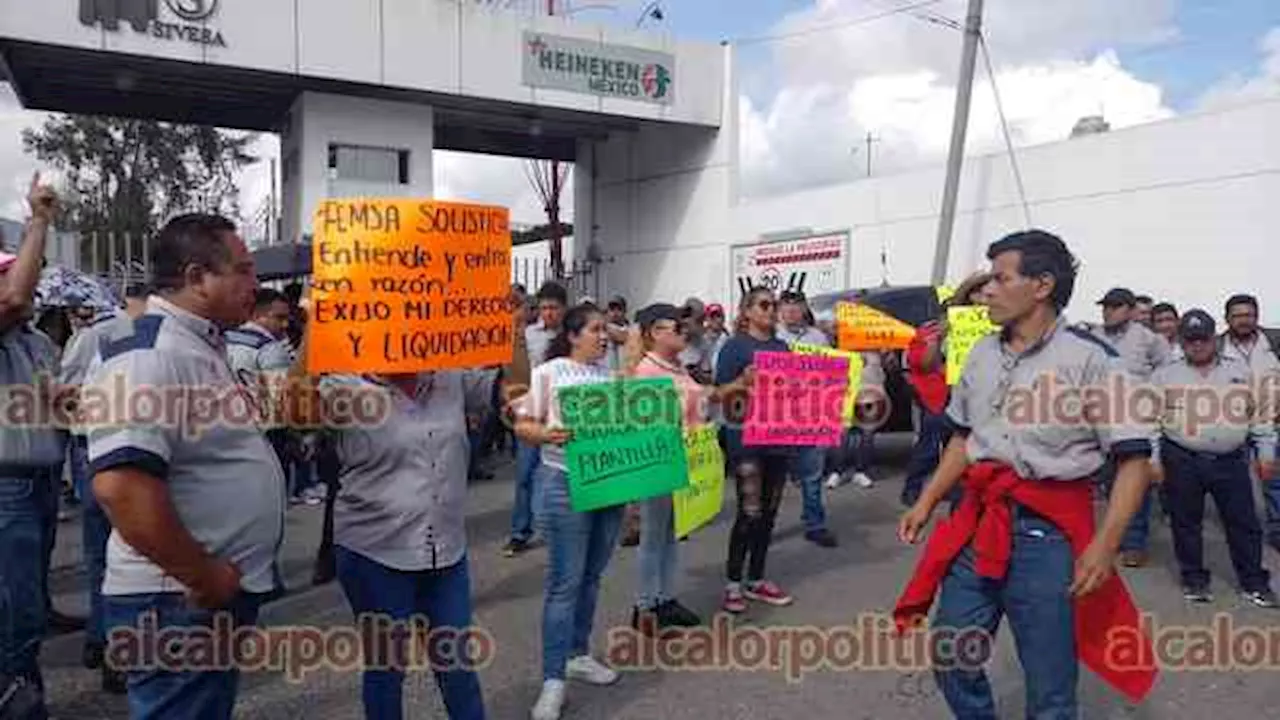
581,278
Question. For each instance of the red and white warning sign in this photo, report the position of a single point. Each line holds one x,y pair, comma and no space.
814,265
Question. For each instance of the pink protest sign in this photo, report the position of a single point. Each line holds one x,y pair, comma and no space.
797,400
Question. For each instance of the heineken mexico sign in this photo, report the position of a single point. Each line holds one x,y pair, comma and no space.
592,68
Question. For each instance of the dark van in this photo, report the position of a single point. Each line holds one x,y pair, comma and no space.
912,304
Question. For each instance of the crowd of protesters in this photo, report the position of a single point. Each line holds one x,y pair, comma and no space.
186,528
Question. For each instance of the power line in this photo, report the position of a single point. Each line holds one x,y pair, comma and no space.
1004,127
837,26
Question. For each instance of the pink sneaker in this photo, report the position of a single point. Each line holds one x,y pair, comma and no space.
733,601
766,592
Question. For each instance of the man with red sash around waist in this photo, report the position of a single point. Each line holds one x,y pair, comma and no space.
1031,422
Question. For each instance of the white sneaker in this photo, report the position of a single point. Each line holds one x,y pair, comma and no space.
590,670
550,701
863,480
835,480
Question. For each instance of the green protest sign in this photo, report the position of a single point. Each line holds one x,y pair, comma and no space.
627,443
700,503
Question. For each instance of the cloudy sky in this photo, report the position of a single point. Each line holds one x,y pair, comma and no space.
818,76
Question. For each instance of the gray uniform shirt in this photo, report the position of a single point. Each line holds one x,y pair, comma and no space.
403,481
1024,409
260,361
1256,354
536,339
30,438
1141,349
1231,383
223,477
83,348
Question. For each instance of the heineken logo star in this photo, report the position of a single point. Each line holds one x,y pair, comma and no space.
536,46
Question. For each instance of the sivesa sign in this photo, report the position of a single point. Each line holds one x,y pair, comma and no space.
182,19
404,286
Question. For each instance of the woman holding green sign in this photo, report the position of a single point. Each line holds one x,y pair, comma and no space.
580,544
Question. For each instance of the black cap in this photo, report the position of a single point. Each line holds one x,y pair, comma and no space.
1197,325
791,296
1118,296
659,311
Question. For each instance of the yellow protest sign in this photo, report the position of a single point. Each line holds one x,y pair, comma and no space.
945,292
855,374
403,286
860,327
700,502
966,325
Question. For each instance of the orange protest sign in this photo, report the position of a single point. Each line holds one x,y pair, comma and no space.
403,286
859,327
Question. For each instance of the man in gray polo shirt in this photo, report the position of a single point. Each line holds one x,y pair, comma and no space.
79,356
1022,542
193,490
30,457
552,301
1143,352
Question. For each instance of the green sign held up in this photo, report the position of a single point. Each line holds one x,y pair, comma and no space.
627,442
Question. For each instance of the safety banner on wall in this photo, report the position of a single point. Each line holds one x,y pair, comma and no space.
814,265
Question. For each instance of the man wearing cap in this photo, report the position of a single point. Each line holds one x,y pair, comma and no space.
793,327
31,456
95,529
1022,542
1142,352
696,357
715,331
1211,456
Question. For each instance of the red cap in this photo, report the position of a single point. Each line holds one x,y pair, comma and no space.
715,309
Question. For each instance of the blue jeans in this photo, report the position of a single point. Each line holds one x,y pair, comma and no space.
1035,595
932,439
95,531
528,459
441,596
1139,527
659,552
579,547
160,690
1271,497
78,456
28,511
809,464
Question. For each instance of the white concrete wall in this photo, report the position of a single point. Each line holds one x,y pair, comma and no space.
655,201
1185,210
457,47
317,120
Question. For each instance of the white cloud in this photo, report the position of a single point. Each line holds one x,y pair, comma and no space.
494,180
1265,83
15,166
895,78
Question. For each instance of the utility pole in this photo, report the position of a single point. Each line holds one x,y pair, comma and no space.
870,139
960,125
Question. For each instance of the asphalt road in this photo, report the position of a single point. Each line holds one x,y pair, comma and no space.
832,587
